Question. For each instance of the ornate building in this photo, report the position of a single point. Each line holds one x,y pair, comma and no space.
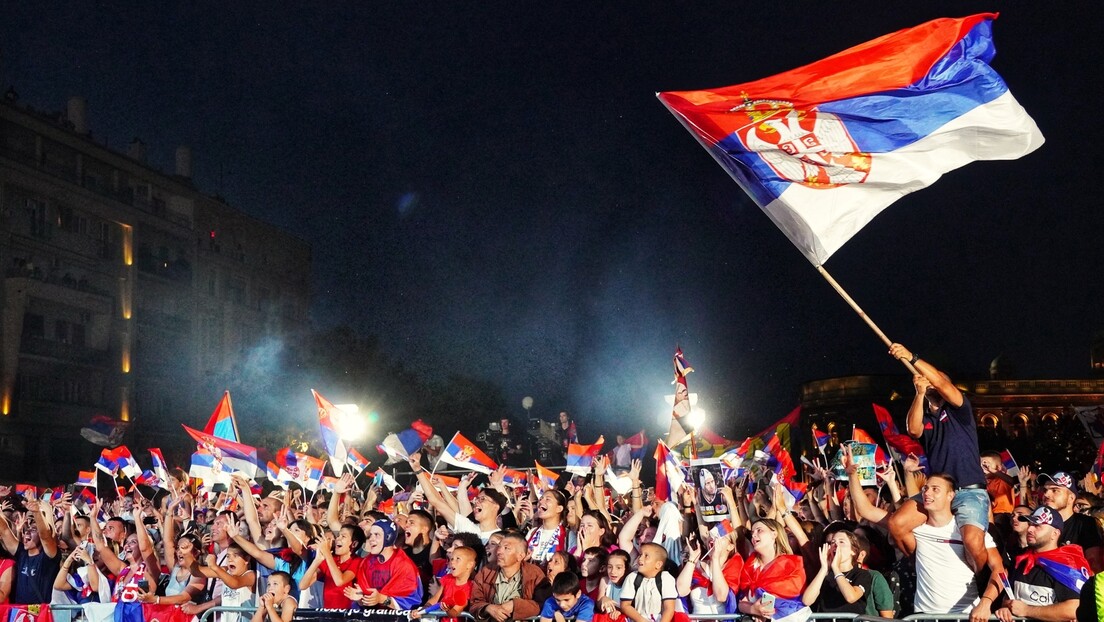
126,291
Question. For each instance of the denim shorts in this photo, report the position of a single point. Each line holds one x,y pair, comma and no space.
971,507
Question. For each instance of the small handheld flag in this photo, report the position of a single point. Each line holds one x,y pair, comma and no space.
328,419
462,453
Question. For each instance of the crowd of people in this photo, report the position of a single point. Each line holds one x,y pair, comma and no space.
959,536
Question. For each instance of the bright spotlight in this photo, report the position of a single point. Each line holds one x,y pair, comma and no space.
697,418
350,424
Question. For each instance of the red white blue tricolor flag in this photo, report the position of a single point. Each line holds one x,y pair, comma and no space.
824,148
328,416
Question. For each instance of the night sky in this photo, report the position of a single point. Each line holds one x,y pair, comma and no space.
493,188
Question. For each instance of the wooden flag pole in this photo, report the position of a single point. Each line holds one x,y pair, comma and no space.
866,318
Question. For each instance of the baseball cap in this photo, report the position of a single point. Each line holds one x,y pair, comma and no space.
1044,516
1060,478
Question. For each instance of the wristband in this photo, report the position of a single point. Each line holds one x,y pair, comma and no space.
915,357
838,576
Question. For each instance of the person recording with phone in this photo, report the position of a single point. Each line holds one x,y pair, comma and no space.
79,580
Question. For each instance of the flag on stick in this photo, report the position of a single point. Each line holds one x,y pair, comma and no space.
820,439
357,461
106,462
222,423
398,447
546,475
580,457
328,419
1013,469
238,457
900,444
160,467
670,476
462,453
680,410
824,148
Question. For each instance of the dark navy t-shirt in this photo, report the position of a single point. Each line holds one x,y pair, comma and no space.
34,576
950,441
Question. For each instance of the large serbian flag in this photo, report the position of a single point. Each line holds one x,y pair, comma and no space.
824,148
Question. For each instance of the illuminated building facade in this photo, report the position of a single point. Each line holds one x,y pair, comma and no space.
124,290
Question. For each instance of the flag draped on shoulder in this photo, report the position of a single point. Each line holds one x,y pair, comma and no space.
824,148
462,453
328,420
222,423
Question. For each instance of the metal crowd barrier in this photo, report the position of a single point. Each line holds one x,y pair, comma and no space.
68,612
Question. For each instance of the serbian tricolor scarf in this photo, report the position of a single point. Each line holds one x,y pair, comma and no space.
784,577
824,148
1066,564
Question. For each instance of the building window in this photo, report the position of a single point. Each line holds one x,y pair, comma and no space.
34,325
989,421
61,331
37,211
1019,425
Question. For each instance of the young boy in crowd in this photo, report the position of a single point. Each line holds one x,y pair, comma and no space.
455,591
277,604
568,601
593,569
649,593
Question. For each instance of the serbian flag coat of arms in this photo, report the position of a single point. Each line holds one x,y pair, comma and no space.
824,148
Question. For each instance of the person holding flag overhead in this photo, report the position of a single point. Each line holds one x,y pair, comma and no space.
486,506
941,417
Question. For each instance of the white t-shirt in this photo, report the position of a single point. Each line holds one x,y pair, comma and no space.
463,524
944,583
649,601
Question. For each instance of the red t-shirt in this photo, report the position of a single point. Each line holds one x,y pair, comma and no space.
332,595
453,595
